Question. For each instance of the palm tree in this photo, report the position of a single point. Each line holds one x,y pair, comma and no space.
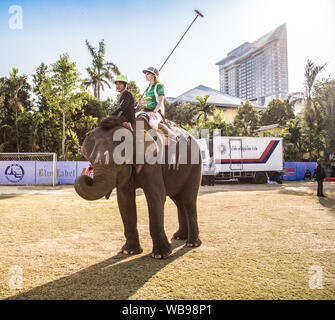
294,136
101,72
204,108
310,113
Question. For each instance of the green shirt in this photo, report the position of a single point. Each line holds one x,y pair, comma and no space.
152,94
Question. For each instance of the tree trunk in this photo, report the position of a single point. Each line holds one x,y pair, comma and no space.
310,123
17,133
98,89
63,137
310,145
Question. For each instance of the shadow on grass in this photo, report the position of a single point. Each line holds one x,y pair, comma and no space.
328,202
244,187
113,279
296,192
8,196
203,193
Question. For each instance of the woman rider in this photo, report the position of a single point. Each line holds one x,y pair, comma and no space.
153,100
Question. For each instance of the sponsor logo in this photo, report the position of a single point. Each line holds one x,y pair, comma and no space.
87,172
289,171
14,173
222,148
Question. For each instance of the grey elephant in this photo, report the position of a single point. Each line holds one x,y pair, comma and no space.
179,181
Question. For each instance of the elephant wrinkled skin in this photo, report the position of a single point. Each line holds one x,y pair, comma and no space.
180,182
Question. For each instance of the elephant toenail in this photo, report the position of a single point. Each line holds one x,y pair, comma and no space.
125,252
158,256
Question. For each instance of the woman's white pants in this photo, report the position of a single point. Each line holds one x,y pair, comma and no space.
152,122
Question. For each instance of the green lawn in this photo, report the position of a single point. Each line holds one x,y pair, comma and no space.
258,243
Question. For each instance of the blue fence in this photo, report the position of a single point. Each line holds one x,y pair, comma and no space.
295,171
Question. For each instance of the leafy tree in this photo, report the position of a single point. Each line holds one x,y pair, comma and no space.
247,120
324,100
15,97
278,112
101,72
134,89
98,109
86,117
59,90
181,113
225,129
38,78
41,123
294,140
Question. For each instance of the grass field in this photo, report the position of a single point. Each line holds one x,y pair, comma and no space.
259,242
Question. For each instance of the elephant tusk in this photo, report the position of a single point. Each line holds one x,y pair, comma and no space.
97,158
106,157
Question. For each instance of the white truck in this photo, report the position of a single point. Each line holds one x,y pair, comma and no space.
251,159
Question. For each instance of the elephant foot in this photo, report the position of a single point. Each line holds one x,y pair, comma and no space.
131,249
180,235
161,251
193,243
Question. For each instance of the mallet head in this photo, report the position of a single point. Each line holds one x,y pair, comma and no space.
199,13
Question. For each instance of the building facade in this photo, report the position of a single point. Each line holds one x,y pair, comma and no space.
257,71
226,103
271,130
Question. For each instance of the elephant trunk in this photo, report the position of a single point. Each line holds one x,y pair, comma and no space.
104,181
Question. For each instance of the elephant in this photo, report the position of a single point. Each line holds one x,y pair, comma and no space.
178,181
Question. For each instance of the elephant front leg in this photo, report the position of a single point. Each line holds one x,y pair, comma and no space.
127,205
161,245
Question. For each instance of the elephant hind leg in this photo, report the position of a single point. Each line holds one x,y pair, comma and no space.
188,221
182,232
193,239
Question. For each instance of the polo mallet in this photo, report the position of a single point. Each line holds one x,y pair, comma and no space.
198,14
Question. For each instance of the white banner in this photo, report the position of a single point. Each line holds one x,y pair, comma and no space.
44,171
17,172
67,172
40,172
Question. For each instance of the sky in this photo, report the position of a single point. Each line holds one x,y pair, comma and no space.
141,33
